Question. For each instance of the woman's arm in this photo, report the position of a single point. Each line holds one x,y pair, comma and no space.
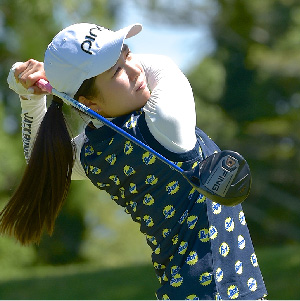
33,112
34,109
170,111
33,105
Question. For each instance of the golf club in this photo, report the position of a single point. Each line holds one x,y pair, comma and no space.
223,177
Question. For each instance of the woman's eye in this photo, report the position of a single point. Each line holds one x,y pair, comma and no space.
127,56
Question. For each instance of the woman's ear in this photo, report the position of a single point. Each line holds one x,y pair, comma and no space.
89,103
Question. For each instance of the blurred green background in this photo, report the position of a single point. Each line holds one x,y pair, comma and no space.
247,99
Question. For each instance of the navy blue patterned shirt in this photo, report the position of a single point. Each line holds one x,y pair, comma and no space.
201,250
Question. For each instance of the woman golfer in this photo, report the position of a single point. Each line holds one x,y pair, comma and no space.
201,249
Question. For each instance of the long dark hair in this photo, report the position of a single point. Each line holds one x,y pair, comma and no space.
43,189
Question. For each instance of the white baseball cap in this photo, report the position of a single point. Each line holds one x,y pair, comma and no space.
82,51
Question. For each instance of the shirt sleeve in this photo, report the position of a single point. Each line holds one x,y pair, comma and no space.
34,109
170,111
33,112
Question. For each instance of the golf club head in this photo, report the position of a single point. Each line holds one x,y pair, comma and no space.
223,177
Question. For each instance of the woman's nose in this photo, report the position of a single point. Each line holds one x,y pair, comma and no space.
133,71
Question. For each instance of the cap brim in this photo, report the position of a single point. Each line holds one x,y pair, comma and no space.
132,30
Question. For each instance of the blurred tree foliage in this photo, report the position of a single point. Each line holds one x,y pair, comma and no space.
248,99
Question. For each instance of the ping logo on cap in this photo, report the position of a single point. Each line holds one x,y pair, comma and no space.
87,44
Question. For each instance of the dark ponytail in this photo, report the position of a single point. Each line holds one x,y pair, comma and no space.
44,187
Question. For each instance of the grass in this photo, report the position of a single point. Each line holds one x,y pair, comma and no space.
279,265
82,282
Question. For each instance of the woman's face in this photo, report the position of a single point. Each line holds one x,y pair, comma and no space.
122,88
